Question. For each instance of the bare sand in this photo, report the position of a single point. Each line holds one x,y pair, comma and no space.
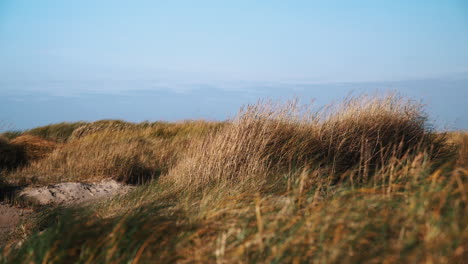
70,193
63,194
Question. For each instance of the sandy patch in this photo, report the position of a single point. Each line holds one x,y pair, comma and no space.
72,192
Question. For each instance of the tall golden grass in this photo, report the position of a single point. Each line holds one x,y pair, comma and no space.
460,139
365,181
156,129
60,132
268,139
35,148
22,150
11,156
130,153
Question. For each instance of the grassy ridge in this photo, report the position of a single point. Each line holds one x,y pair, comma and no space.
366,181
128,152
23,150
265,140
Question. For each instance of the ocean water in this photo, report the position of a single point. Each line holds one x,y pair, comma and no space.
29,104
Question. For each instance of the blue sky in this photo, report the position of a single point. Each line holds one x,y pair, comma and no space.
232,51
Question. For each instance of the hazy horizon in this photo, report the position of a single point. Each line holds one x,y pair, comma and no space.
444,99
175,60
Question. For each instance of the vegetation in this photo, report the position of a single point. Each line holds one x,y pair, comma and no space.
23,150
56,132
366,181
132,155
460,139
11,156
35,148
11,134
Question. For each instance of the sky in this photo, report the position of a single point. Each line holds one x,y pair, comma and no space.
171,60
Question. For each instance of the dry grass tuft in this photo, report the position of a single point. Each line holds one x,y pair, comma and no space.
269,139
11,156
11,134
99,126
55,132
460,139
422,220
366,181
35,148
96,157
22,150
158,129
134,155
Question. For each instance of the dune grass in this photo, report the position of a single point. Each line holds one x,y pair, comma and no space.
366,181
9,135
22,150
162,130
460,139
56,132
11,156
35,148
268,139
123,151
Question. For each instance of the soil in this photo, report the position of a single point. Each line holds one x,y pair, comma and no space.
10,217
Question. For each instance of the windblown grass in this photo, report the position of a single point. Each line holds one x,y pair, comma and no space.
35,148
460,139
11,134
104,125
417,218
133,155
22,150
56,132
11,156
157,129
367,181
265,140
